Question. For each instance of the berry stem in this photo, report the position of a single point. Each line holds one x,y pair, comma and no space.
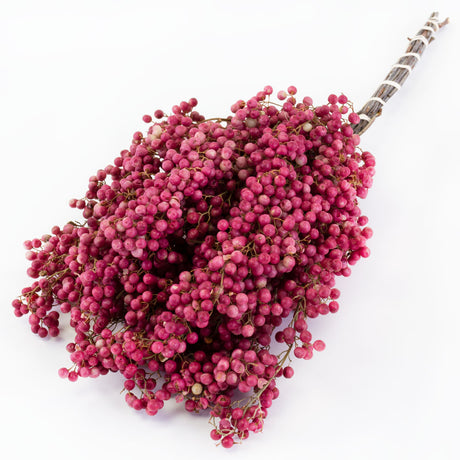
398,73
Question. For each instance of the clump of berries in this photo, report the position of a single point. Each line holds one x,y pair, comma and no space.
202,243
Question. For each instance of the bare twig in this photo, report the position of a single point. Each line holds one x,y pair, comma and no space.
398,73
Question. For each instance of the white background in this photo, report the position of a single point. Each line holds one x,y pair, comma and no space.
75,80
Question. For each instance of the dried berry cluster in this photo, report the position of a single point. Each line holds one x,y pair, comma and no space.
202,242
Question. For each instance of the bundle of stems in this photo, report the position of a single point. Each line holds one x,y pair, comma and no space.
398,73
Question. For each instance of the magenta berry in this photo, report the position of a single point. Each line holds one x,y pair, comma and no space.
227,442
319,345
215,435
63,373
288,372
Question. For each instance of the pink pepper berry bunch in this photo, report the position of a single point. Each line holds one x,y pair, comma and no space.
204,242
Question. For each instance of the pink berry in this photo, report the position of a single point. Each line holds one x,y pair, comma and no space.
63,373
227,442
288,372
215,435
319,345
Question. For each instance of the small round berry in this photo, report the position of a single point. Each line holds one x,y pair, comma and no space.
227,442
282,95
353,118
63,373
197,389
319,345
268,90
288,372
215,435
